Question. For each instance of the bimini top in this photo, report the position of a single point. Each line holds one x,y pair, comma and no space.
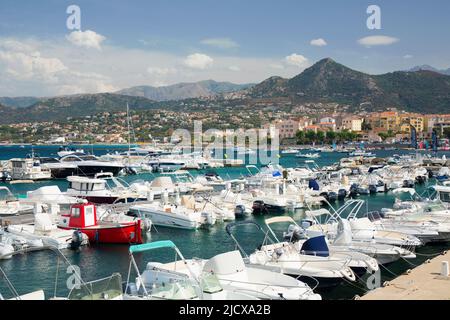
152,246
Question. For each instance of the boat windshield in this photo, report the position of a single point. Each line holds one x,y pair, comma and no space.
210,283
444,196
178,290
434,208
6,195
104,289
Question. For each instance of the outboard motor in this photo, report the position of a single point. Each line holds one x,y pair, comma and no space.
372,189
353,190
130,171
258,207
332,196
77,240
342,193
239,211
294,233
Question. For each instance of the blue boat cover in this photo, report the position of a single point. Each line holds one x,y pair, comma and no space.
276,174
313,185
316,246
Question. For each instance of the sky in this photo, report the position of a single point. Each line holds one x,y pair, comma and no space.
122,44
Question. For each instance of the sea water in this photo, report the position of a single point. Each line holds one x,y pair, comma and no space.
44,270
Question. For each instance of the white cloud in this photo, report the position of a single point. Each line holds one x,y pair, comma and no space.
276,66
66,69
87,39
161,71
198,61
377,41
318,42
296,60
234,68
22,62
30,71
407,56
221,43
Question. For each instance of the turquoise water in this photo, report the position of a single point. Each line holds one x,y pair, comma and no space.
38,270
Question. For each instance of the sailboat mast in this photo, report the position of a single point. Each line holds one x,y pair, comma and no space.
129,133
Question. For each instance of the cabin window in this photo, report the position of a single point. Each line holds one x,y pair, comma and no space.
75,212
445,196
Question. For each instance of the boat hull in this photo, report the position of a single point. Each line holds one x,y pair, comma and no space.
117,234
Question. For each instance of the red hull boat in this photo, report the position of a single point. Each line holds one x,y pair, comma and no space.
83,217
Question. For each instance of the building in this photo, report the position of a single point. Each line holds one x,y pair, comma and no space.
384,121
288,128
436,121
415,120
327,124
352,123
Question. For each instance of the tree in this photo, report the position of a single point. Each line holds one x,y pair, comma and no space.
446,133
331,136
300,135
320,136
310,136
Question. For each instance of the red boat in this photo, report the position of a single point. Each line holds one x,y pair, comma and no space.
83,217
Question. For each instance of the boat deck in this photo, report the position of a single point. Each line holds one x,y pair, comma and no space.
422,283
27,218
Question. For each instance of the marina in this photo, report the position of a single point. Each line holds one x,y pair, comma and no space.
335,221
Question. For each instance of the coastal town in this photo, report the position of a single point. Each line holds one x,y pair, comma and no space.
303,124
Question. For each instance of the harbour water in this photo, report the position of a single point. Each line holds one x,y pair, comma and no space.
38,270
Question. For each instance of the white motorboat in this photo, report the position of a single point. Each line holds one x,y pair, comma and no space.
28,169
308,155
11,244
159,283
317,269
235,276
10,205
45,230
103,188
89,165
362,228
183,216
359,262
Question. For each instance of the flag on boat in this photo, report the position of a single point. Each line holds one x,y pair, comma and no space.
413,137
434,141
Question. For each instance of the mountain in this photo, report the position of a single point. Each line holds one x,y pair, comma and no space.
329,81
427,67
184,90
18,102
59,108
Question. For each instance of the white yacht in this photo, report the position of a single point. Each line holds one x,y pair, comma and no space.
103,188
28,169
89,165
182,216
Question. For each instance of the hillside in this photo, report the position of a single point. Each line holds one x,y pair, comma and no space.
329,81
59,108
184,90
18,102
